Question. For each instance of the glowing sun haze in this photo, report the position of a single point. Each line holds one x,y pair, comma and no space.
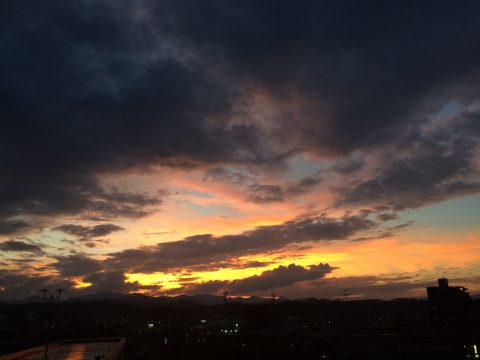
196,147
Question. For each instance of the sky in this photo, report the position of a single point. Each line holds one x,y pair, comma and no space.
194,147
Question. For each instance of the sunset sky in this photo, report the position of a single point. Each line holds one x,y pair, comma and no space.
195,147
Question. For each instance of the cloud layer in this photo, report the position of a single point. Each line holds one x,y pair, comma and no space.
208,249
268,280
361,109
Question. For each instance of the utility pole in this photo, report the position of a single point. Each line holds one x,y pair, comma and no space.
49,300
273,297
59,293
44,291
346,316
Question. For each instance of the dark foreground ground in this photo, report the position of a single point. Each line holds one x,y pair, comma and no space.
311,329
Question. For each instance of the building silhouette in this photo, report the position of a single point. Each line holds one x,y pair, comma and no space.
450,307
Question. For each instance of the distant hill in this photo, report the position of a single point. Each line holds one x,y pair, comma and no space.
141,299
98,296
205,299
29,300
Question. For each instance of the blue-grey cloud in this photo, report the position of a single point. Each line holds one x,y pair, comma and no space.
21,246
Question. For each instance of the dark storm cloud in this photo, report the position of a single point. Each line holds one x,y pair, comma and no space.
349,166
112,281
91,89
368,75
100,88
88,231
21,246
362,69
16,285
279,277
19,286
441,164
204,249
88,234
10,227
268,280
76,265
109,205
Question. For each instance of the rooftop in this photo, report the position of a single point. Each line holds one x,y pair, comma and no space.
107,349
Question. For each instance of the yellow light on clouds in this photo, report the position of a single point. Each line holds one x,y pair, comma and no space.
169,281
80,284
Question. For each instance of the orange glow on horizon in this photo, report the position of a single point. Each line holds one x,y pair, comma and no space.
169,281
398,255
